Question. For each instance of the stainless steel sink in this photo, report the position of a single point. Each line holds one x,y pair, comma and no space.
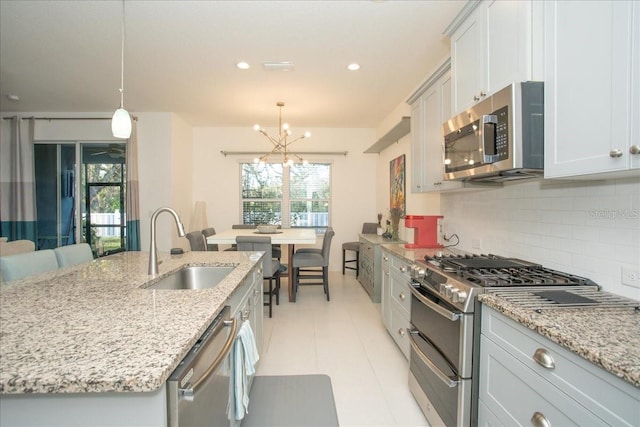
193,278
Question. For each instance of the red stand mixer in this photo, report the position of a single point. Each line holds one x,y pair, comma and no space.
425,231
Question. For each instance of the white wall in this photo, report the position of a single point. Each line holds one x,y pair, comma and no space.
181,175
417,203
587,228
216,178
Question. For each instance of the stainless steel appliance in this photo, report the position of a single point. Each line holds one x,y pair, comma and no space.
445,330
198,390
498,139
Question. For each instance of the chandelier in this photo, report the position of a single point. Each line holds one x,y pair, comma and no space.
281,143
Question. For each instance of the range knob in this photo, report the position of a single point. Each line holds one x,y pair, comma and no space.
449,290
418,271
459,296
444,287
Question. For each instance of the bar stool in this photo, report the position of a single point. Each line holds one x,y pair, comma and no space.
367,228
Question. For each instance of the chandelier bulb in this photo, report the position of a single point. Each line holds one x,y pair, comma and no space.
305,162
307,134
285,126
256,127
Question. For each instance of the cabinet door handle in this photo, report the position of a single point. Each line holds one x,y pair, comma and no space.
483,94
539,420
401,296
616,152
634,149
401,332
403,269
476,98
544,359
437,183
386,258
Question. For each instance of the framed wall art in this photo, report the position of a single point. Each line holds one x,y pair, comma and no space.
397,185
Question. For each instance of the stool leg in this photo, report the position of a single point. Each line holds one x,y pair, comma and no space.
344,262
357,263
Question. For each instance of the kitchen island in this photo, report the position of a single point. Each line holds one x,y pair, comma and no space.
95,330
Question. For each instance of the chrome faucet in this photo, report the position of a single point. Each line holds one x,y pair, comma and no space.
153,250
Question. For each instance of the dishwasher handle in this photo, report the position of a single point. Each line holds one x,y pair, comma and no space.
189,392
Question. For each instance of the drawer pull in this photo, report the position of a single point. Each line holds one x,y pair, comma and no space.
544,359
403,269
539,420
401,332
401,296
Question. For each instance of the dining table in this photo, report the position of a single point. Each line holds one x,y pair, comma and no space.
284,236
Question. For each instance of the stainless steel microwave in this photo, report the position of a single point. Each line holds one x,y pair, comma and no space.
498,139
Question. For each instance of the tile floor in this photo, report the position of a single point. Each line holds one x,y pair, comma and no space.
345,339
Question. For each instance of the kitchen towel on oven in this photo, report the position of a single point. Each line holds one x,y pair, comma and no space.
245,358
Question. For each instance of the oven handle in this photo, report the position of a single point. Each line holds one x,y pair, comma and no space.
444,378
435,307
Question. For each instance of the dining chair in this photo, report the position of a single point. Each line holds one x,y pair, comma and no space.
210,232
73,254
14,267
270,266
196,240
239,227
367,228
313,265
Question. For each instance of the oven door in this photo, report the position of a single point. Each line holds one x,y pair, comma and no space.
440,359
448,330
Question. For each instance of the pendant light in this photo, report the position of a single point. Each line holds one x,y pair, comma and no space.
121,121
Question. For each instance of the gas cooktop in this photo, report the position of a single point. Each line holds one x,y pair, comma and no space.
495,271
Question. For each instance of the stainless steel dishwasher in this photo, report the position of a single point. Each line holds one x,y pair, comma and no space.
198,390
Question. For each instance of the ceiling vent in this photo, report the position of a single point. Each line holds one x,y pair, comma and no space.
277,66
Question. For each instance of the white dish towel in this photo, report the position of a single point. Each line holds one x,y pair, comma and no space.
245,358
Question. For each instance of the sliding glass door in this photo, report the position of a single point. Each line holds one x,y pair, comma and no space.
90,209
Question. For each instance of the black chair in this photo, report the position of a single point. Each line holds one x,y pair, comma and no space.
367,228
196,241
313,265
270,266
210,232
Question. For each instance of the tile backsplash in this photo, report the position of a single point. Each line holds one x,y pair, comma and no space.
587,228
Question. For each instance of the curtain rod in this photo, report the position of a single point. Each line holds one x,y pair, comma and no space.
63,118
302,153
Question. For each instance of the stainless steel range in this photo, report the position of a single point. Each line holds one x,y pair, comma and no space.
445,329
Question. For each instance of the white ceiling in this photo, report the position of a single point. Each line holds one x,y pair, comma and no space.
180,56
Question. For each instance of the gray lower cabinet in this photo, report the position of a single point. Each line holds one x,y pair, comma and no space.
396,298
369,268
516,389
370,264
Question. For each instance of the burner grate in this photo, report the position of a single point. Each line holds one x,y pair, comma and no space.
575,297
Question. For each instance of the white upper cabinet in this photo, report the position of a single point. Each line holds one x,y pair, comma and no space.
592,88
492,46
430,107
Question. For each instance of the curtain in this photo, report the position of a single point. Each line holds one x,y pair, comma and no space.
133,192
17,188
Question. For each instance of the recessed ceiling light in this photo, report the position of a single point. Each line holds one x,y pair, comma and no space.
353,67
243,65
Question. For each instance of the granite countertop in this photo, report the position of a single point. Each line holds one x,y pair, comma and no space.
92,328
607,337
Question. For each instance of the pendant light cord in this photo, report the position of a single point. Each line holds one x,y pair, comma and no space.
122,62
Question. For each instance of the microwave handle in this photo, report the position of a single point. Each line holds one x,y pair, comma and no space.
488,137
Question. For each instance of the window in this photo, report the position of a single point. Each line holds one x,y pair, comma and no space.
293,196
